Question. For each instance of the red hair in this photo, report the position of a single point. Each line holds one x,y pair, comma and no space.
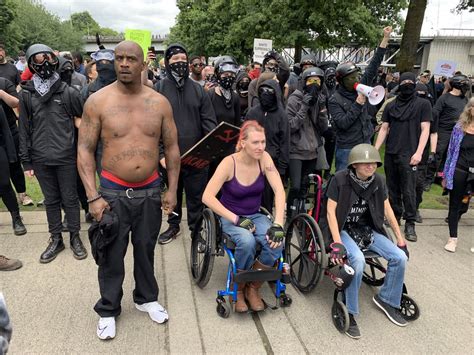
244,132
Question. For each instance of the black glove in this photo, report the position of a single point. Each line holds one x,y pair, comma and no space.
405,250
431,159
338,251
276,233
308,99
245,223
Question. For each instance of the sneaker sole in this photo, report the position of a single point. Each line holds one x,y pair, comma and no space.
388,315
79,257
450,251
169,240
357,337
20,233
139,307
12,268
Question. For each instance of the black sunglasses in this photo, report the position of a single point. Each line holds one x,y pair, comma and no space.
198,65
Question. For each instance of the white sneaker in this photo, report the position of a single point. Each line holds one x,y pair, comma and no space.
106,328
451,245
155,310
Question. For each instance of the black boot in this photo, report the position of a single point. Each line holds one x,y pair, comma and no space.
17,223
54,247
77,247
410,233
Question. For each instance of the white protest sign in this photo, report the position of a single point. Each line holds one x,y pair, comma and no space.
445,68
260,48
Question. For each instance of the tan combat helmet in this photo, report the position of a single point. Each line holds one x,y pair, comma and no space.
364,153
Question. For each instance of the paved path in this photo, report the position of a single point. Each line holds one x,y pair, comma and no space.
51,305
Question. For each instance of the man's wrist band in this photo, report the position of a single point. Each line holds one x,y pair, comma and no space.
95,198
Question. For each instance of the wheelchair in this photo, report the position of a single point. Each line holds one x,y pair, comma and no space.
208,241
307,254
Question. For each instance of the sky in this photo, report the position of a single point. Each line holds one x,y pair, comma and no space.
159,15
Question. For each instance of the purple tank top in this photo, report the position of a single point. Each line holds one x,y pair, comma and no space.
241,199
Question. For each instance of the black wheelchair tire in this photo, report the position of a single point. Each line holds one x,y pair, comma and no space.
369,277
201,271
315,238
340,316
409,308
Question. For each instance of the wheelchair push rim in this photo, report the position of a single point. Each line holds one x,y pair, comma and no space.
203,248
304,253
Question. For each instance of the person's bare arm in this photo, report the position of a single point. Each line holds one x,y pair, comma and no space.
172,156
433,142
425,132
393,223
214,185
10,100
382,135
274,179
386,36
332,221
89,133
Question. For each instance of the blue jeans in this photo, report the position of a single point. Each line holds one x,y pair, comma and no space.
246,242
342,156
391,290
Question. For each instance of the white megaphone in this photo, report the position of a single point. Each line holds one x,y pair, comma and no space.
375,95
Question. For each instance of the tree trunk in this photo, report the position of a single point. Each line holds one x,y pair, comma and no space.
298,49
411,35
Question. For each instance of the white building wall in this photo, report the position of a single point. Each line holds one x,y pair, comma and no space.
459,50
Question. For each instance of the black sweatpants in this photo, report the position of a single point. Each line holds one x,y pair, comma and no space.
299,171
6,190
193,182
330,145
140,217
401,183
441,149
58,184
17,175
455,200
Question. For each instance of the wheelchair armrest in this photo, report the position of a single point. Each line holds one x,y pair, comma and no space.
265,212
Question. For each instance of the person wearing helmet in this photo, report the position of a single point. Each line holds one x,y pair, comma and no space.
446,112
348,109
48,151
224,100
307,115
406,126
351,221
194,118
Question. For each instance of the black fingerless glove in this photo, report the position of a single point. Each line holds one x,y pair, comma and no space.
405,250
276,233
245,223
338,251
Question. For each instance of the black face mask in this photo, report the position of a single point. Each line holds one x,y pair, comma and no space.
226,82
106,72
180,68
407,91
331,82
66,76
314,91
44,70
268,101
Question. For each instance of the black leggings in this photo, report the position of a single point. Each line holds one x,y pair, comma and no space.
6,189
455,200
299,170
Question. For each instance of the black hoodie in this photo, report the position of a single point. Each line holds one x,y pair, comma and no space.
277,132
244,103
192,109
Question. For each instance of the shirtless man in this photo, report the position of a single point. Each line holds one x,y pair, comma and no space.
129,118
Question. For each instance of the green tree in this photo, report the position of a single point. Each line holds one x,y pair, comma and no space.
464,5
214,27
84,23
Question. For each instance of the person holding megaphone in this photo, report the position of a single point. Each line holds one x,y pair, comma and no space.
348,107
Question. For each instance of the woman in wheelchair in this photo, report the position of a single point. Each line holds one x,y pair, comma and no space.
240,178
356,205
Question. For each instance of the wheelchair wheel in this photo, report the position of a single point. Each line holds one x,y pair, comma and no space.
203,248
340,316
222,308
285,300
409,309
305,252
374,273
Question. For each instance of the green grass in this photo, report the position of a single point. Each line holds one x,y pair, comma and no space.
431,199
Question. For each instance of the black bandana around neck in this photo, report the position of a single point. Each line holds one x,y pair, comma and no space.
43,86
362,183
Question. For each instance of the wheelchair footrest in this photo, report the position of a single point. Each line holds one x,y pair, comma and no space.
257,275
